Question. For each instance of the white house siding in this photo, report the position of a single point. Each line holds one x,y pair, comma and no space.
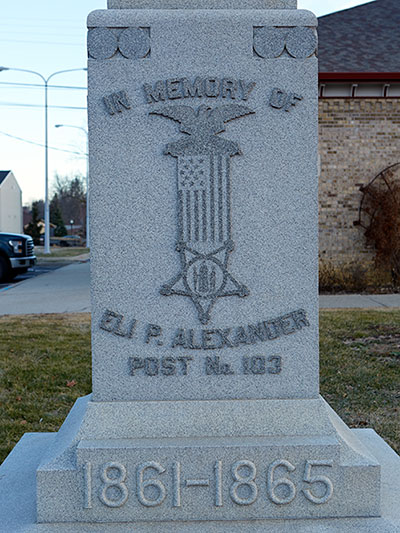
10,205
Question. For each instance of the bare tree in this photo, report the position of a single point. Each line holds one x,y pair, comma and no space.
70,192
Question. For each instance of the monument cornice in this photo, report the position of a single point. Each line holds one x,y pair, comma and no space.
202,4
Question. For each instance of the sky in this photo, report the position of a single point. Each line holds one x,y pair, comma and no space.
47,36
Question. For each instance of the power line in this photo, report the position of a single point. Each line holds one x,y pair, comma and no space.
15,104
33,25
38,19
41,42
39,32
39,144
33,20
41,86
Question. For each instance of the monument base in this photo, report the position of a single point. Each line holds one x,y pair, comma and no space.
18,500
127,462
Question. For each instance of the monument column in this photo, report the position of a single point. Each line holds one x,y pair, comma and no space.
205,413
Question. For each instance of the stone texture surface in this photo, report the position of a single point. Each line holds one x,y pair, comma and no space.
202,4
274,227
131,461
17,497
102,44
301,42
271,42
134,43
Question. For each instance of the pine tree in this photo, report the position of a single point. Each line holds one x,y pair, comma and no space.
33,228
56,217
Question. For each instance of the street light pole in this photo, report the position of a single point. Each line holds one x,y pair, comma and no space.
46,146
46,174
87,177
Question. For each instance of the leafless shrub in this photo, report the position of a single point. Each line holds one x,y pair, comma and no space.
353,277
384,228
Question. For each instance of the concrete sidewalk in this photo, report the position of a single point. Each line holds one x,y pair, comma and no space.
65,290
359,301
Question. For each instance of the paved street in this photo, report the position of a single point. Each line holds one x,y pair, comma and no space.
37,270
62,290
66,290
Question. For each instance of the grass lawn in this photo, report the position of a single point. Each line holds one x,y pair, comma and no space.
45,367
360,368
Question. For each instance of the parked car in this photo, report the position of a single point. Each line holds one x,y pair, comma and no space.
67,240
16,255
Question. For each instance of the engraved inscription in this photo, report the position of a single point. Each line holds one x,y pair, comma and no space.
243,483
197,483
115,323
273,484
244,474
114,492
153,331
216,339
215,366
280,99
206,339
87,474
211,87
153,486
116,102
324,480
260,364
204,205
256,365
164,366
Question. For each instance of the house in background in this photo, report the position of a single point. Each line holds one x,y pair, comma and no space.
359,121
10,203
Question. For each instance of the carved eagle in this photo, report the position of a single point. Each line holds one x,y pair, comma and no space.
205,121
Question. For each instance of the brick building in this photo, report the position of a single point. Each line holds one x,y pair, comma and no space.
359,112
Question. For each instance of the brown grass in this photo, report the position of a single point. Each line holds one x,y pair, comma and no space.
45,365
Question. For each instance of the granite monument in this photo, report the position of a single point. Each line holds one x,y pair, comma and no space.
205,413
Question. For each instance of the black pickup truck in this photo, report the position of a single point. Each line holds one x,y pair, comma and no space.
16,255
